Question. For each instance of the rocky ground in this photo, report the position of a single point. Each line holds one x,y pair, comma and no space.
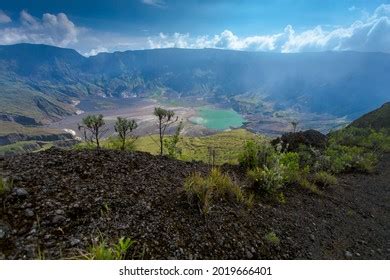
62,200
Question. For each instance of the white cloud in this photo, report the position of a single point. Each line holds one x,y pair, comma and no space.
52,29
4,18
95,51
155,3
370,34
352,8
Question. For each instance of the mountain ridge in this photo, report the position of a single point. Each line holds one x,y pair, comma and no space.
377,119
336,83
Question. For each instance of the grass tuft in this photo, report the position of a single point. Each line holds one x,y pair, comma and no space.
325,179
6,185
102,251
205,189
272,238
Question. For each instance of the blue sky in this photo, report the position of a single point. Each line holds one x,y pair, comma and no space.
279,25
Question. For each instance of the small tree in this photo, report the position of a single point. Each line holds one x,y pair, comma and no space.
124,127
294,125
95,125
84,131
171,143
165,119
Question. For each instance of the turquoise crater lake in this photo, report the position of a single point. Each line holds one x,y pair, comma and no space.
217,119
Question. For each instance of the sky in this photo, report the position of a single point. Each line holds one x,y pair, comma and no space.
284,26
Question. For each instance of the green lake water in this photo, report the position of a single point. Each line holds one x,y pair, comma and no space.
218,119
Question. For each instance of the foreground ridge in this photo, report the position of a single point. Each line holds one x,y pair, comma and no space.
62,200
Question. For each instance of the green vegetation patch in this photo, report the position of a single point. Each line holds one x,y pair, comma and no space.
101,250
205,190
226,146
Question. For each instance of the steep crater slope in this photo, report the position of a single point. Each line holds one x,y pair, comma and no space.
377,119
52,78
62,200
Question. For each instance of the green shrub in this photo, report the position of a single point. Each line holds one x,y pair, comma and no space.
366,162
199,189
272,238
310,156
376,141
223,185
205,190
250,201
325,179
306,184
345,158
256,154
290,165
6,185
102,251
281,198
268,180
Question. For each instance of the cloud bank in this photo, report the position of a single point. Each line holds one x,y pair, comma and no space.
52,29
95,51
371,34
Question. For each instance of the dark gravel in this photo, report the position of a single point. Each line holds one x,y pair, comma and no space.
63,200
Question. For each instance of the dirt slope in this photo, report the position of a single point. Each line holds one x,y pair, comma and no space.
62,200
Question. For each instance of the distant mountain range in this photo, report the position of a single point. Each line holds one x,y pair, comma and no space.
40,82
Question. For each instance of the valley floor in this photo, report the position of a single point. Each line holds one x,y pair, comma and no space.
63,200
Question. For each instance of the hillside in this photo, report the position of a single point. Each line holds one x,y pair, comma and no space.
63,200
42,82
226,146
377,119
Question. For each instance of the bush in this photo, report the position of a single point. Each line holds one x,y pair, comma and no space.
256,154
376,141
281,168
309,156
101,250
205,190
224,186
345,158
306,184
357,149
198,189
324,179
272,238
290,164
268,180
5,185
